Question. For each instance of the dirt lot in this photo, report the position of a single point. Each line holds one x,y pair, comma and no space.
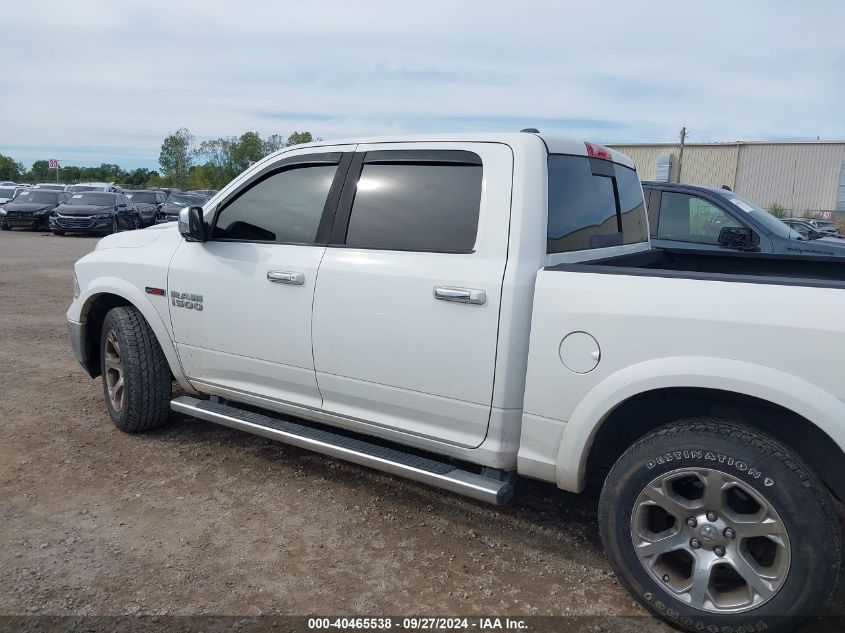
200,519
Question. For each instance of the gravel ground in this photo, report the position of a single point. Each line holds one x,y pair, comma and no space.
200,519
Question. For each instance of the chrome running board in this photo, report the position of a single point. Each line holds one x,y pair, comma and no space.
352,449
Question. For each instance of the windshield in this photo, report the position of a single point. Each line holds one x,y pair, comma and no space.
51,187
185,201
825,224
38,197
7,192
94,199
758,213
144,197
77,188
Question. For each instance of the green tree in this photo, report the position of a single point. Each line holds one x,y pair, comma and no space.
40,171
10,169
274,143
138,177
297,138
176,156
202,177
247,149
219,166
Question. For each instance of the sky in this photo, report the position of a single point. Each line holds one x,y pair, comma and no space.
93,82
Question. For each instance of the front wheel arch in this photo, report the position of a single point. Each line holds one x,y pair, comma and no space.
96,305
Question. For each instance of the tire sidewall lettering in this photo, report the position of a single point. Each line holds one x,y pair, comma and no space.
727,462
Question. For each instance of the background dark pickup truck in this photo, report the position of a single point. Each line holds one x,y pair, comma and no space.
703,218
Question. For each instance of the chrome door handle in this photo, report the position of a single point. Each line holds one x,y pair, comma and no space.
460,295
286,277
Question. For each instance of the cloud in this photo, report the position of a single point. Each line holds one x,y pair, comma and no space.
93,82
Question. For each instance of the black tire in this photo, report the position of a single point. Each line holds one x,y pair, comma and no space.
147,381
115,225
58,232
5,227
750,459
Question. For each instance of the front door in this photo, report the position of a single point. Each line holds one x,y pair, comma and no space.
406,310
241,302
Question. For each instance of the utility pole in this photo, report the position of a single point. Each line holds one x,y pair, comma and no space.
683,137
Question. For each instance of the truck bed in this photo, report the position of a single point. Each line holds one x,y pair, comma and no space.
784,270
762,325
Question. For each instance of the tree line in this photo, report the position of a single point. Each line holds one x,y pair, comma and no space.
211,164
184,163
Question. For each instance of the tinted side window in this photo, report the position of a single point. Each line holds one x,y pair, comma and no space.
652,198
593,210
409,206
691,219
631,205
284,207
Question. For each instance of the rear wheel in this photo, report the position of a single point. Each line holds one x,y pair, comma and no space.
136,377
710,523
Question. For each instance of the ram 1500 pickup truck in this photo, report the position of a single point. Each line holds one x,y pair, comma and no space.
463,310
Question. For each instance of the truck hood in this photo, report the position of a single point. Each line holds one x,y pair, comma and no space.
135,239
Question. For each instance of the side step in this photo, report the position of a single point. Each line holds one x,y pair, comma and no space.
389,460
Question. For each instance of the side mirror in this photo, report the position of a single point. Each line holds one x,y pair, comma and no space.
740,237
191,225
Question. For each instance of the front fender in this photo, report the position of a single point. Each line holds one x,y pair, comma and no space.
154,315
772,385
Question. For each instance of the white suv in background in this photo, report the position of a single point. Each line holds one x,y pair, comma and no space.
94,186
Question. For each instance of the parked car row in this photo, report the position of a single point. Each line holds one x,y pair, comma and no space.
90,207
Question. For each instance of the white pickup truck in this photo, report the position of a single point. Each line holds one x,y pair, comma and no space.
463,310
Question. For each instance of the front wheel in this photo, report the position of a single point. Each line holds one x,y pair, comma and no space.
136,377
5,227
710,523
115,225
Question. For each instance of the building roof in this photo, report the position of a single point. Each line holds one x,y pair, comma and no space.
722,143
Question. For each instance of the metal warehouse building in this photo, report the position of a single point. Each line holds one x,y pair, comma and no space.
797,176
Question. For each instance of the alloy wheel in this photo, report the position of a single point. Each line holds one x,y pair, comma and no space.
710,540
114,371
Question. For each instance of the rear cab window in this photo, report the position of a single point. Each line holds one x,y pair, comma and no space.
593,203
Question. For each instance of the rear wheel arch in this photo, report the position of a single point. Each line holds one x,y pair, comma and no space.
639,415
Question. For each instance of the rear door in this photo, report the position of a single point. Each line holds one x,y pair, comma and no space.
241,302
406,309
